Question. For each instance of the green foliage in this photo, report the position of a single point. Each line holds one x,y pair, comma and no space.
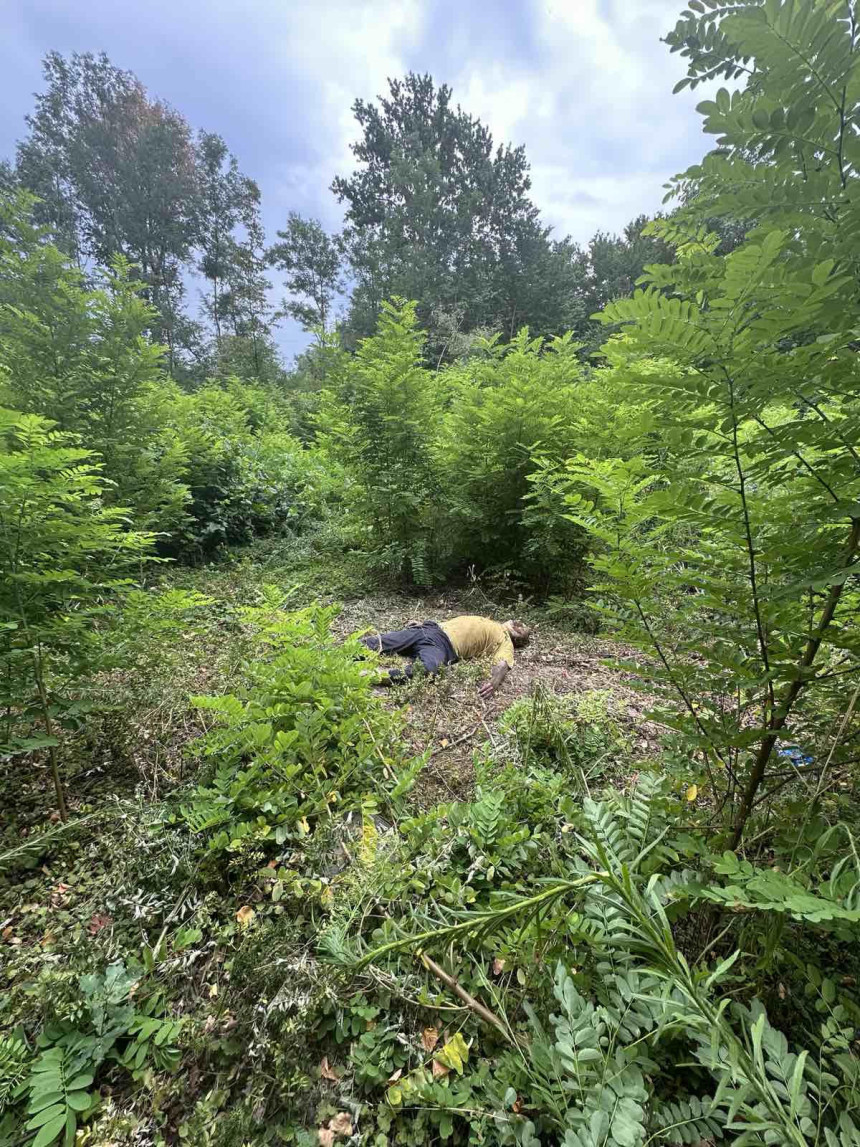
58,1093
15,1060
435,214
634,1006
245,475
203,469
103,1023
79,355
305,741
441,466
508,410
381,422
731,556
574,734
312,262
62,554
119,173
594,969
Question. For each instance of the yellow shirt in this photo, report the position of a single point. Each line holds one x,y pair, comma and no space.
479,637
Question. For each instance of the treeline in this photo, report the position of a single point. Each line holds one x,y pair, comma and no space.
198,469
420,473
434,212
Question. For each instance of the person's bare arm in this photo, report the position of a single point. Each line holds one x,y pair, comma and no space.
497,676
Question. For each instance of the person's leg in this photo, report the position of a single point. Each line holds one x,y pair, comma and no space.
396,641
434,649
402,641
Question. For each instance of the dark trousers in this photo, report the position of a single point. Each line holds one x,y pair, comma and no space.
428,642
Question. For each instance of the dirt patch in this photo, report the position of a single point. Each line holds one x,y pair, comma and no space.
448,716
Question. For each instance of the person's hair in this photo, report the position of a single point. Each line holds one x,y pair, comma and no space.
520,633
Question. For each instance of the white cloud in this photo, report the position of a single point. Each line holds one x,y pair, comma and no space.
593,107
584,84
589,94
344,49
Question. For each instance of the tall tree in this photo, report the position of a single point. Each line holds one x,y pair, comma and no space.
73,349
311,260
222,189
117,174
436,213
616,262
249,351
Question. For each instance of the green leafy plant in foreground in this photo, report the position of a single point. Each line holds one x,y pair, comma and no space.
307,740
103,1024
645,1046
732,554
58,1095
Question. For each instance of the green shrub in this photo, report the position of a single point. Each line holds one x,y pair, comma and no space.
304,742
63,557
508,410
611,1035
381,421
80,356
245,475
575,733
110,1019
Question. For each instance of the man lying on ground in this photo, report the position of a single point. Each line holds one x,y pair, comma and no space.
460,639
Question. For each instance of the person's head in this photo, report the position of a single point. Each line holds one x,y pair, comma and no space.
520,633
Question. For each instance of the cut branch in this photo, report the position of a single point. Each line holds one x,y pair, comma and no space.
471,1003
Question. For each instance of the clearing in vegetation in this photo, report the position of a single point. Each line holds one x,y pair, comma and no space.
245,896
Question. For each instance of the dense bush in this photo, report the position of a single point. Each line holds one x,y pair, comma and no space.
307,739
382,422
63,555
245,475
506,410
442,461
78,354
201,470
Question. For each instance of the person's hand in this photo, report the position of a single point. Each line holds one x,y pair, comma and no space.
498,675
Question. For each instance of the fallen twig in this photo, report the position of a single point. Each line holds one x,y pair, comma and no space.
471,1003
454,744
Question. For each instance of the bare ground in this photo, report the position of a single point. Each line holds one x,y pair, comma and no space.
448,716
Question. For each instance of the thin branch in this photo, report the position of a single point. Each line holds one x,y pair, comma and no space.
471,1003
751,555
814,406
796,454
677,687
813,645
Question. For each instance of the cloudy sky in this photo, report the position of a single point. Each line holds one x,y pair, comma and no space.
584,84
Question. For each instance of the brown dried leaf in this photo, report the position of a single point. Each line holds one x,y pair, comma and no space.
341,1124
429,1038
325,1137
394,1078
99,921
328,1072
439,1069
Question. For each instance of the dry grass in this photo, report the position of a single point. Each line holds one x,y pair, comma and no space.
448,716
